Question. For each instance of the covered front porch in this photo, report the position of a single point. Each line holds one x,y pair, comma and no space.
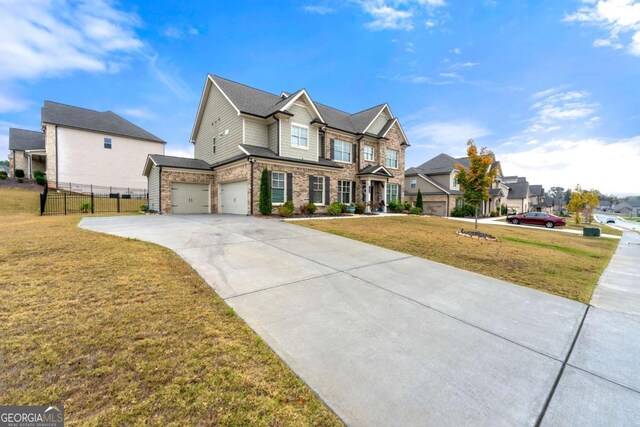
36,160
374,188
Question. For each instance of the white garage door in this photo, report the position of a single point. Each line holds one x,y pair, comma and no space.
233,198
189,198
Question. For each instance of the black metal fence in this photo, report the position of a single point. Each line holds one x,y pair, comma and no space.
99,189
77,203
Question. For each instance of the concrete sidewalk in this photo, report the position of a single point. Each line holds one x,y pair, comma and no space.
389,339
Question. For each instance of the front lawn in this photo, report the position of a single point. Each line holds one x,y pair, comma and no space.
559,263
124,332
571,225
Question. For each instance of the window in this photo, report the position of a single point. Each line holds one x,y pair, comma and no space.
344,192
413,183
459,203
214,145
107,143
368,153
317,189
277,187
342,151
299,136
392,192
392,159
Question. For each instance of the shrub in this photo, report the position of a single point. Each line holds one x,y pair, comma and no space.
466,210
503,209
399,208
360,208
290,205
41,180
264,205
20,180
419,200
416,211
334,208
19,173
345,208
308,208
3,175
38,173
407,205
392,205
285,210
85,207
144,208
493,214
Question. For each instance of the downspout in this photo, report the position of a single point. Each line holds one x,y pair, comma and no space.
57,156
14,163
278,133
159,189
251,162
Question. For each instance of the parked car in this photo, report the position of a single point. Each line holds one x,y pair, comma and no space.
611,220
537,218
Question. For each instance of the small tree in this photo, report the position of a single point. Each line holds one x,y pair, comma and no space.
264,205
476,180
585,201
576,204
419,200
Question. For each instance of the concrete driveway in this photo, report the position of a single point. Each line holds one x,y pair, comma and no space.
385,338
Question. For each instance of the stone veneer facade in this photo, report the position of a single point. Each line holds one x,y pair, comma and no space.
52,155
168,176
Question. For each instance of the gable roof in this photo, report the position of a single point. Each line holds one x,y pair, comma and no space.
4,168
518,190
441,164
22,139
248,100
375,170
536,190
100,121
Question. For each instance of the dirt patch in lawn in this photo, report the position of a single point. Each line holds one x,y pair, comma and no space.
559,263
124,332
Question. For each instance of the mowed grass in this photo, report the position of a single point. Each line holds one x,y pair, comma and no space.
125,333
571,225
559,263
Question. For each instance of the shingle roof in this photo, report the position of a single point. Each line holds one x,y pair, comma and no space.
375,170
4,168
100,121
21,140
518,190
263,152
412,171
536,190
442,163
179,162
260,103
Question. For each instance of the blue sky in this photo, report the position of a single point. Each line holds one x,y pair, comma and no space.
550,86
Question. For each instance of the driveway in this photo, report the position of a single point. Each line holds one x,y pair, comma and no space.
389,339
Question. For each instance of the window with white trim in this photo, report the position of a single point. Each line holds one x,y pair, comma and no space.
392,193
344,192
107,143
278,187
342,151
368,153
391,159
413,183
317,190
299,136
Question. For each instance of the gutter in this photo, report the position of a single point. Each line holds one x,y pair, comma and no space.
160,190
57,157
251,162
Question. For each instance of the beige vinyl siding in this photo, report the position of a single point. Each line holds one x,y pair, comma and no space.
378,124
302,117
218,116
256,133
273,136
154,188
442,180
423,185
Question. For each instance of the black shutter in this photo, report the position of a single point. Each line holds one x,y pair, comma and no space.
354,153
332,149
289,187
327,187
323,149
353,191
310,189
399,192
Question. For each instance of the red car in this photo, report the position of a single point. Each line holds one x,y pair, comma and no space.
537,218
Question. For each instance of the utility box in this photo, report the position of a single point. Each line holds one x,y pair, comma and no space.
591,232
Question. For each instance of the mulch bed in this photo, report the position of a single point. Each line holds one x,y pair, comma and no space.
28,184
476,235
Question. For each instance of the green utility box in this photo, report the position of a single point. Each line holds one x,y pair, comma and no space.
591,232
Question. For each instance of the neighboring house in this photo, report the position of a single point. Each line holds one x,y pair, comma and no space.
313,153
605,206
85,147
5,169
441,193
537,198
519,194
630,208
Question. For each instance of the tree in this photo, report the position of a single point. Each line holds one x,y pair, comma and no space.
476,180
585,201
419,200
558,197
575,204
591,200
264,205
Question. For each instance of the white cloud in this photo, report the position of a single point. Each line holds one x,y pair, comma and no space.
179,152
592,163
445,134
174,32
9,103
617,17
467,64
399,14
456,51
553,106
409,47
318,9
55,37
138,113
449,75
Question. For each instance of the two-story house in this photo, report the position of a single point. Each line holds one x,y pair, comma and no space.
519,194
80,147
538,199
313,153
441,192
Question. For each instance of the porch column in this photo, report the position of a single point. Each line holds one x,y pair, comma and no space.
367,197
384,195
29,166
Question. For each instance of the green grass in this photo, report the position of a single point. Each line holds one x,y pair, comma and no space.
123,332
564,264
571,225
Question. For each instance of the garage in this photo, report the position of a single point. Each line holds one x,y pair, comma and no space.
233,198
434,208
188,198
